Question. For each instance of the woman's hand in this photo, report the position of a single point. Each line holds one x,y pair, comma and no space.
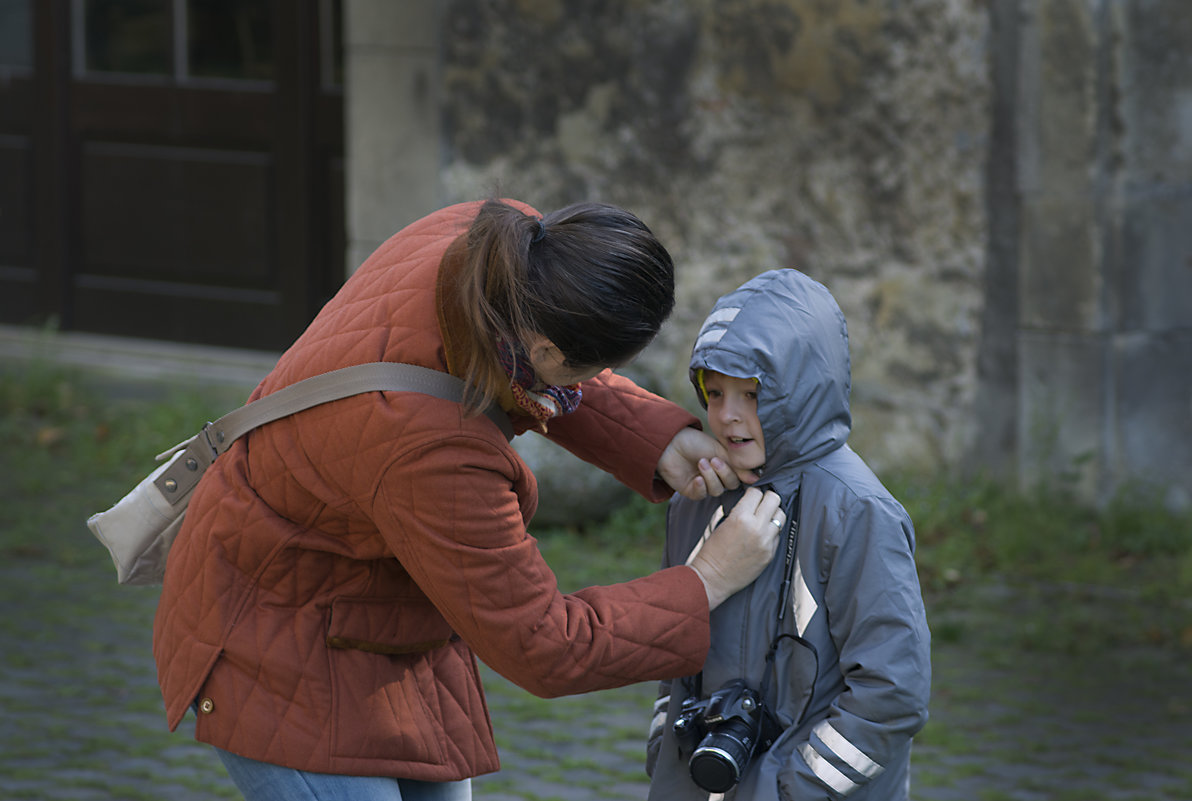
694,465
739,549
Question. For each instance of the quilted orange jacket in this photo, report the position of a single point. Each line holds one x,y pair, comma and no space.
340,570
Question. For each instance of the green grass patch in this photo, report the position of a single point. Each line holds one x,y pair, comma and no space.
67,451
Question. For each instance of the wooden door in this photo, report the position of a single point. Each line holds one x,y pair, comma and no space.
175,167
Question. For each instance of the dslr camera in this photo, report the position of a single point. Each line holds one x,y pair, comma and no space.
727,730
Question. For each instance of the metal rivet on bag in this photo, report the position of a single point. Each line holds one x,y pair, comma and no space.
207,705
219,435
192,465
171,485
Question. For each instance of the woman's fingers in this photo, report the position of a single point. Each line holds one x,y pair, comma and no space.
740,548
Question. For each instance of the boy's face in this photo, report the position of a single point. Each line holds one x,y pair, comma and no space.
732,417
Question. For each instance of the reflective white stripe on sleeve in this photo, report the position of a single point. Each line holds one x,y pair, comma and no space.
848,752
825,772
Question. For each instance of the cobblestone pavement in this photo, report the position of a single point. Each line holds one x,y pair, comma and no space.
81,716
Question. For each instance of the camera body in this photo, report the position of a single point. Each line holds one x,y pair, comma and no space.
726,730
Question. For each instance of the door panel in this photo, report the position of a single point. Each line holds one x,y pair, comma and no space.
181,175
18,279
16,240
195,215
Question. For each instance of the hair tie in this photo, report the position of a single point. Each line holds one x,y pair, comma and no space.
541,232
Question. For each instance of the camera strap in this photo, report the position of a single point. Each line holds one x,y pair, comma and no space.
783,599
784,590
788,570
694,684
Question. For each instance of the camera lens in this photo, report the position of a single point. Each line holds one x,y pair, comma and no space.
718,762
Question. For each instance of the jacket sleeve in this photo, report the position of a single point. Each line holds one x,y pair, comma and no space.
879,626
449,510
622,429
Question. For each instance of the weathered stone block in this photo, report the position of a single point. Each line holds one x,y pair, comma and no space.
1156,88
1060,266
1062,407
394,156
1154,287
386,24
1152,426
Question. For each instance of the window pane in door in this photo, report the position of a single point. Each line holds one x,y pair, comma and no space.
230,39
16,34
132,36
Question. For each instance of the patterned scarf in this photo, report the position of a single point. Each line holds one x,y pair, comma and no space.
541,403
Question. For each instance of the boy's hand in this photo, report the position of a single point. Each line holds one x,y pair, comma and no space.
694,465
739,549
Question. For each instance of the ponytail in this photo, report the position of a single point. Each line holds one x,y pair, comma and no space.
591,277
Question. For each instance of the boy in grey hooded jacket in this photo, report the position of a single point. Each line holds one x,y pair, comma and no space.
833,634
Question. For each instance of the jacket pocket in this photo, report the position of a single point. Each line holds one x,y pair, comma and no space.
381,656
390,626
382,710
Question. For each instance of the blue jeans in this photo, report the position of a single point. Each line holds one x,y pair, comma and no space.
261,781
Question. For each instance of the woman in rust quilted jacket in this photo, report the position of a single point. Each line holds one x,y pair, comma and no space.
340,570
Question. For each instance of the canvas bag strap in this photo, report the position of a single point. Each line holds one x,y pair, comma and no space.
334,385
198,452
342,383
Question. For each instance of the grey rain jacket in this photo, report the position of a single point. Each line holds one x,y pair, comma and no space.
853,675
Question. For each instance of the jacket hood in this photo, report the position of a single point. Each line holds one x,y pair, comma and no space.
785,330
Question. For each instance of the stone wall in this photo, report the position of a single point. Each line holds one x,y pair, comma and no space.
843,138
1087,363
997,191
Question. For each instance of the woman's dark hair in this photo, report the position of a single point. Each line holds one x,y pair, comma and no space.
590,277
